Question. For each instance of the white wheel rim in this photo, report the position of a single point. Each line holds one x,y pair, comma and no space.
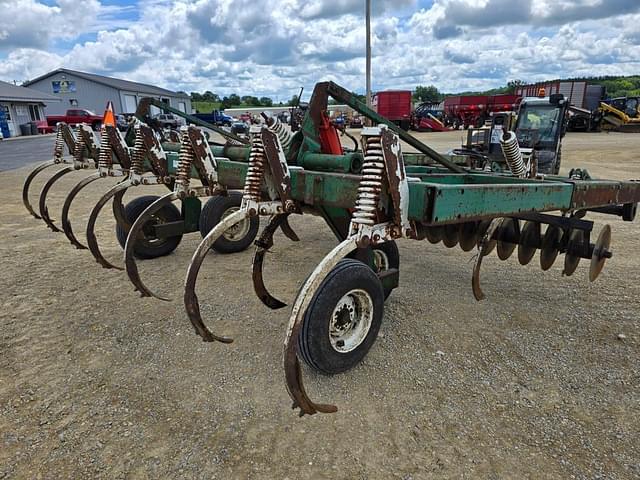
380,260
239,230
351,321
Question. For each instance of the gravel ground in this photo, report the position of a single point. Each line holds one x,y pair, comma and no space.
540,380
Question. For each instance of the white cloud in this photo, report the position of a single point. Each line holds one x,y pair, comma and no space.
264,48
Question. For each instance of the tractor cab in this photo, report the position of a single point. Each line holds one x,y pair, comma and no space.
540,126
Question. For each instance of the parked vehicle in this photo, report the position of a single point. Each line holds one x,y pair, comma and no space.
240,128
539,125
216,117
76,116
356,122
166,120
620,114
428,118
583,100
395,105
122,123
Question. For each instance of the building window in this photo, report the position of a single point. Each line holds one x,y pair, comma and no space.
182,107
34,113
73,102
7,111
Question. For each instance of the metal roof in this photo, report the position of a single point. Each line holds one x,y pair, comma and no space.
13,93
112,82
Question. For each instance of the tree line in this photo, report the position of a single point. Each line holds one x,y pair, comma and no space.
615,86
235,100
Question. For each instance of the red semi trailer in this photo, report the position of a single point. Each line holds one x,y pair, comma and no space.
395,105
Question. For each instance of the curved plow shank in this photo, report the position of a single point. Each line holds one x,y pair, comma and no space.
484,244
288,231
136,229
263,244
66,224
117,208
27,184
42,201
117,192
293,374
191,304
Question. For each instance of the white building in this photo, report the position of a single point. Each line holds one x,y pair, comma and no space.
21,105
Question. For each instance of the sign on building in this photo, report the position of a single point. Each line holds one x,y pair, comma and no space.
63,86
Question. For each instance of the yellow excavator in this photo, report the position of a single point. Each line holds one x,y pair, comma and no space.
620,114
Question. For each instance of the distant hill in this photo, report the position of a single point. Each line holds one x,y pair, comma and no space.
616,86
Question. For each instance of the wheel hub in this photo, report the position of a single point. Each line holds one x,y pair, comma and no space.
350,321
237,231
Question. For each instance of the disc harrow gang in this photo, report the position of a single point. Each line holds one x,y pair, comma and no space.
370,198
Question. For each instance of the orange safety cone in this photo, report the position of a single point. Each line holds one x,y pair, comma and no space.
109,118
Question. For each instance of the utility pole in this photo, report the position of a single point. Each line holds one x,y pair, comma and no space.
368,54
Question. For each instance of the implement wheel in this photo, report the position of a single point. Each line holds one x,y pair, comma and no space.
386,256
343,318
150,246
237,238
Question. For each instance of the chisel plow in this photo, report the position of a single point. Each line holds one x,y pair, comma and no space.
370,198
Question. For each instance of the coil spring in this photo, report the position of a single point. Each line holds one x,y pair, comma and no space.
255,171
78,147
185,160
137,154
58,147
513,155
371,183
105,160
284,134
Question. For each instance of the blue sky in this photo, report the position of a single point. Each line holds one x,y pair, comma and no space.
268,47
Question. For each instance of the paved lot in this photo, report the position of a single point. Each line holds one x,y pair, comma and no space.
23,151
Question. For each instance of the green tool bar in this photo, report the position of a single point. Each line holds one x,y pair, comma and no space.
446,198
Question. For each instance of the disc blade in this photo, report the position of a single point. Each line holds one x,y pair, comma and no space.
549,247
597,259
450,237
509,229
571,261
468,236
529,242
434,234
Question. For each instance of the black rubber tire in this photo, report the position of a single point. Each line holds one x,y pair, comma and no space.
390,249
96,126
158,248
313,342
214,211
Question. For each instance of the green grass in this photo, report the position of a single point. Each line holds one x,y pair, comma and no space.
205,107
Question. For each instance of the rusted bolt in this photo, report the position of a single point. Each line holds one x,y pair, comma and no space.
289,206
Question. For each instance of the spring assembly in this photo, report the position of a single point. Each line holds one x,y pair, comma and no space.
284,134
371,183
512,154
105,159
58,148
255,171
137,154
78,149
185,160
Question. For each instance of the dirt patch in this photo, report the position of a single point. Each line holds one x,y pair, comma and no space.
532,382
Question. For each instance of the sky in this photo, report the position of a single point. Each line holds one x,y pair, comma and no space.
273,47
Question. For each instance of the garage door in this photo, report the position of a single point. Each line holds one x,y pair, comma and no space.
130,104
